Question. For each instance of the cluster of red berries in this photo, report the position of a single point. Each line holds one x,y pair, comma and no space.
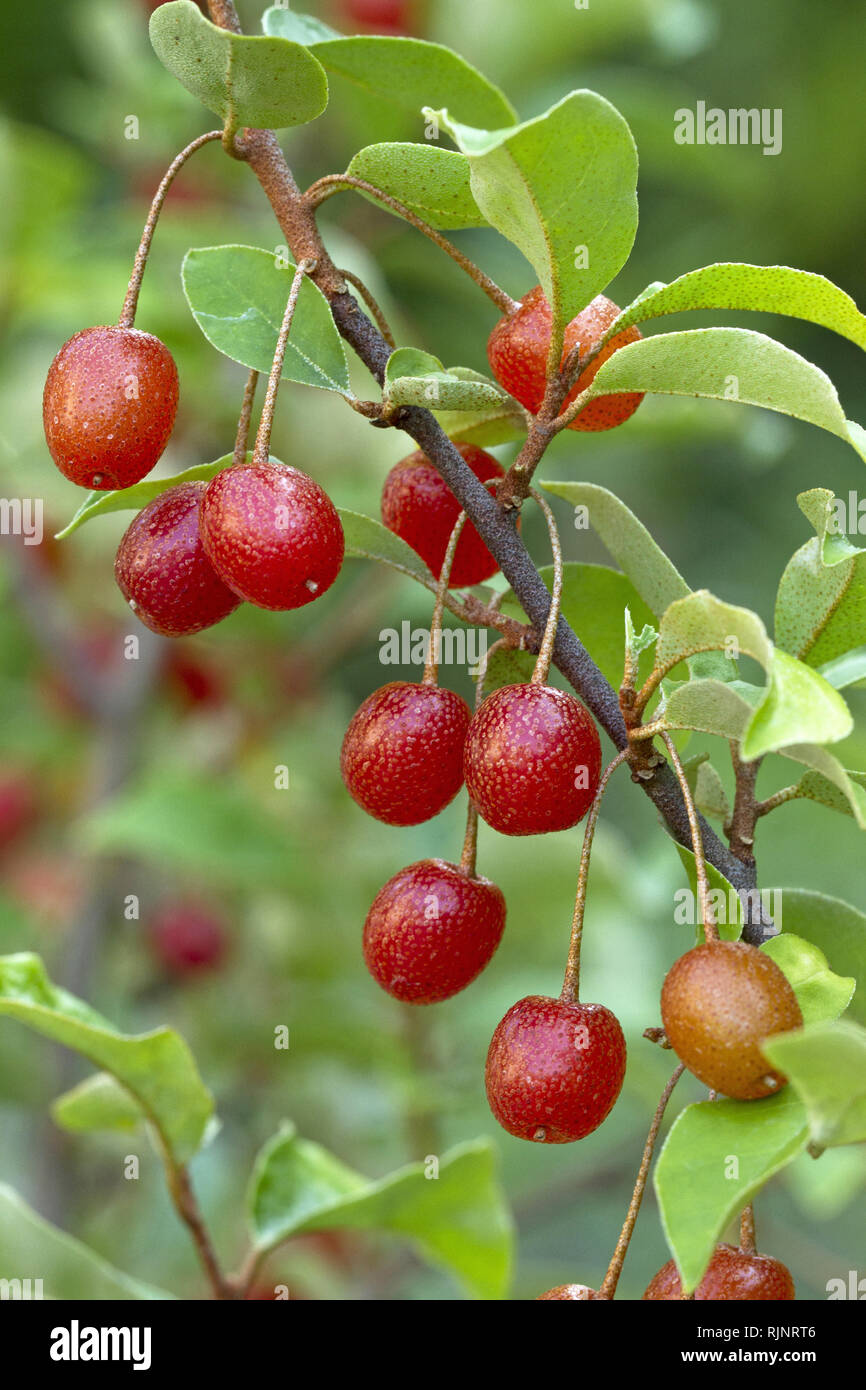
732,1275
258,532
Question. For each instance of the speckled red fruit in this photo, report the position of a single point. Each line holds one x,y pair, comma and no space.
272,534
431,930
732,1274
532,760
418,505
554,1069
720,1001
567,1293
188,939
109,405
518,348
17,807
402,757
162,570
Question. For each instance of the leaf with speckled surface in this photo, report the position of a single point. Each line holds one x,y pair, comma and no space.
432,182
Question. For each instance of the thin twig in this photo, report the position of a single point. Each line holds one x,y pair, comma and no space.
187,1208
763,808
740,829
130,303
326,187
611,1279
748,1244
372,304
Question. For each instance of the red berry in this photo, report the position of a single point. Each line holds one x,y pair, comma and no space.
389,16
418,505
17,807
732,1274
402,757
431,930
532,760
518,348
720,1001
564,1292
272,534
109,405
554,1069
188,939
162,570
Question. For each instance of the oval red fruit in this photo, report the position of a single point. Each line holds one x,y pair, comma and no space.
732,1274
418,506
402,756
532,760
555,1069
108,406
162,571
272,534
431,929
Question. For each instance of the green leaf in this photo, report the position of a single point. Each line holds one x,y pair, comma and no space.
798,706
31,1246
773,289
156,1068
709,707
828,782
594,599
732,364
300,28
821,994
708,789
368,539
838,929
135,497
413,377
500,424
821,600
826,1066
653,575
267,83
432,182
717,1155
238,297
846,670
99,1102
562,188
459,1220
211,825
403,71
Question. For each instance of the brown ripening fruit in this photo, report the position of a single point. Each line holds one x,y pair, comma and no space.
732,1275
567,1293
720,1001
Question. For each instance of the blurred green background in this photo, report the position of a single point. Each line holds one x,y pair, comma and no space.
173,798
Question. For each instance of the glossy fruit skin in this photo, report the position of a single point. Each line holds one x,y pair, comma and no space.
517,352
568,1293
719,1002
272,534
527,747
187,939
162,571
418,506
554,1069
108,406
431,930
731,1275
402,756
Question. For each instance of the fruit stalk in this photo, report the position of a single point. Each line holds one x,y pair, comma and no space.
571,982
711,932
326,187
545,651
243,434
614,1269
262,450
431,666
130,303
